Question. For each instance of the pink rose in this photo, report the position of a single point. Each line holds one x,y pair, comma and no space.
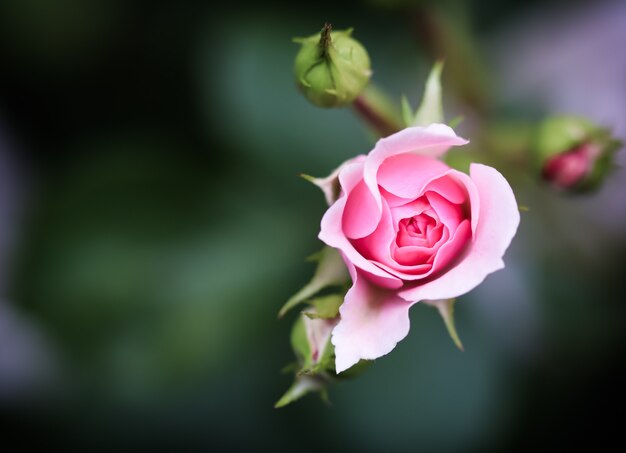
409,229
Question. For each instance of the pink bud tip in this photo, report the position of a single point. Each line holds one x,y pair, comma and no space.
567,169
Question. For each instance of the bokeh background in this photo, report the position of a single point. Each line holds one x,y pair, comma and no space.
152,224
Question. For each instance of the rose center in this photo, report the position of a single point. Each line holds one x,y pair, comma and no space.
420,230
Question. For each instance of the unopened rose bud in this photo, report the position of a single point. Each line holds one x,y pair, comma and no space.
574,154
331,68
567,169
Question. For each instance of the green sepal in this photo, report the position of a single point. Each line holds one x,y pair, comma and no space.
300,343
431,109
446,310
326,307
301,386
407,112
325,363
292,367
302,349
331,271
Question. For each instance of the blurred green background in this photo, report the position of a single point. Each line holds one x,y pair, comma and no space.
152,224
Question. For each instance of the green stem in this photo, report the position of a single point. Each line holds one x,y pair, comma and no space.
377,112
325,39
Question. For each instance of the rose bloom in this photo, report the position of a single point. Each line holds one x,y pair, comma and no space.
409,229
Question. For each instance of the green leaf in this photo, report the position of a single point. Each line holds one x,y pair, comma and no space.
331,271
326,307
446,310
431,109
407,112
302,385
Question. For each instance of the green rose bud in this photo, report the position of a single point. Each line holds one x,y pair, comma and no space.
331,68
574,154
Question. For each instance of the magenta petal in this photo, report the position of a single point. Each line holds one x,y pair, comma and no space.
497,223
373,321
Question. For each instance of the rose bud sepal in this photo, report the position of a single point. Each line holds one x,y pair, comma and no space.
446,310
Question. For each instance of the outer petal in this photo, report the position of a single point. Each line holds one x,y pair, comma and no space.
404,175
432,141
497,223
373,321
332,234
360,217
328,185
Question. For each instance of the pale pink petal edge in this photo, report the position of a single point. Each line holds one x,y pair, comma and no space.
373,320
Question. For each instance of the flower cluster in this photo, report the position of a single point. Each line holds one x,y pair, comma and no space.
403,226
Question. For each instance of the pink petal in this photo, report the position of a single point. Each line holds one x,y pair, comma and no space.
409,210
329,183
496,224
351,174
331,233
449,214
360,216
446,254
373,321
377,245
393,200
472,195
448,187
432,141
411,254
404,175
453,248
